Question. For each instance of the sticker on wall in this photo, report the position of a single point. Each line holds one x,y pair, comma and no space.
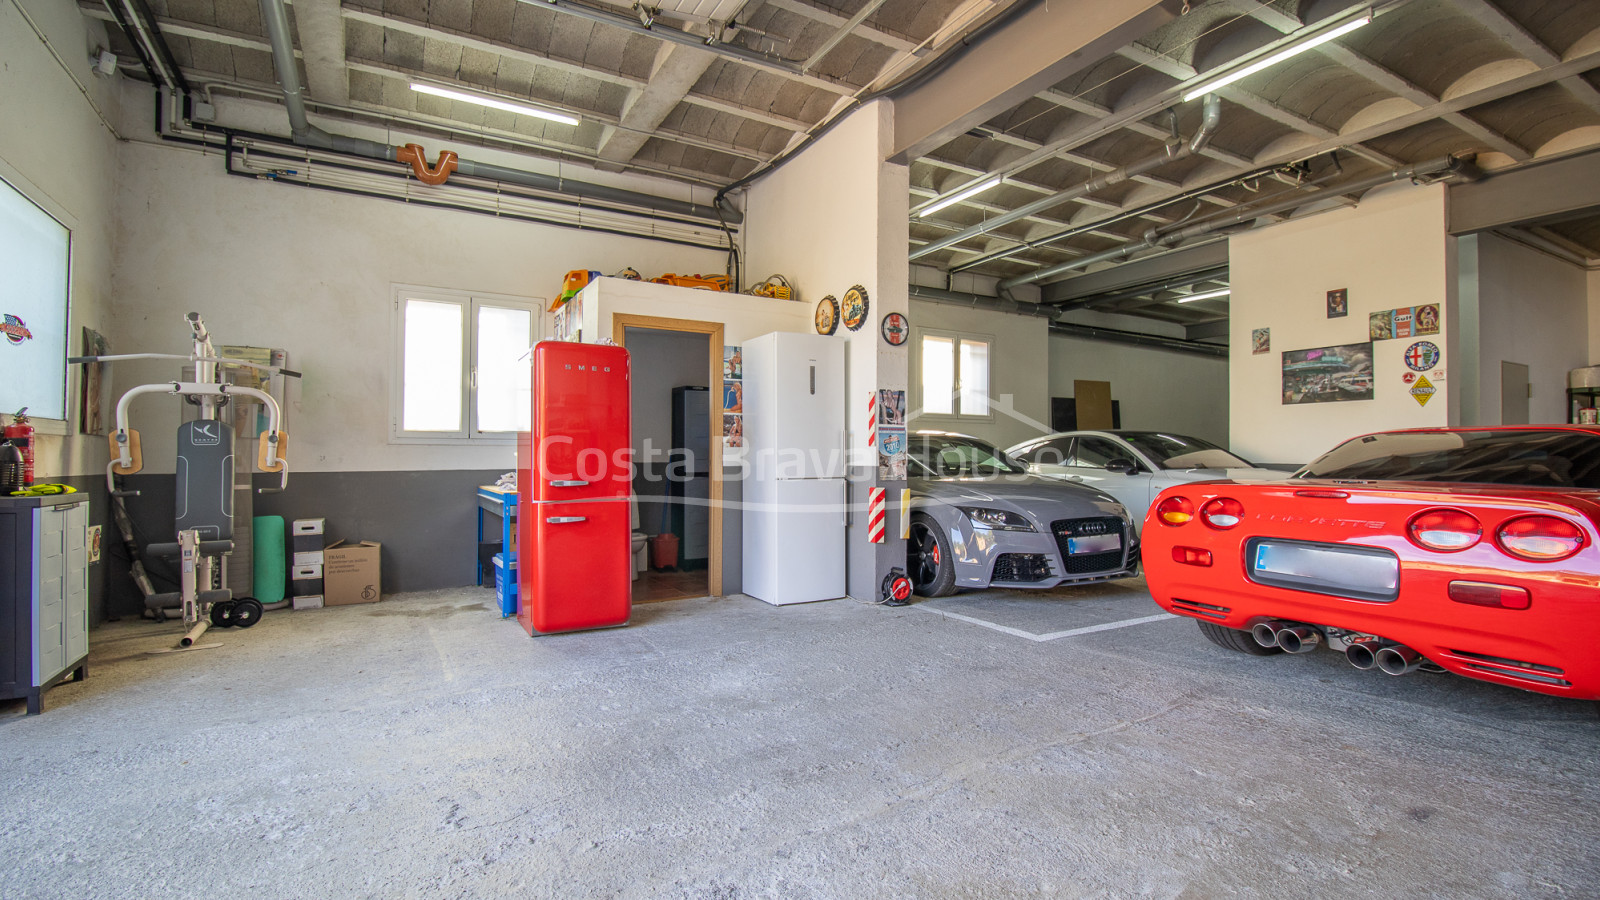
875,514
733,396
732,364
1409,377
1328,374
1339,303
853,308
827,315
891,453
1422,356
1423,390
94,543
1261,341
733,430
1407,321
895,329
892,407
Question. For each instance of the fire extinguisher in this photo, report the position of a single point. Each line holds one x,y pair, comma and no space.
20,434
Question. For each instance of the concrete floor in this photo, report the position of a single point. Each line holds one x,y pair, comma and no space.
986,745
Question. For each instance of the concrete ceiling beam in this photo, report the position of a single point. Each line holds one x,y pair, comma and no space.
676,69
321,30
1517,38
828,17
1037,48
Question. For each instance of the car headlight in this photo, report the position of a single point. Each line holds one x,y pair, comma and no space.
998,519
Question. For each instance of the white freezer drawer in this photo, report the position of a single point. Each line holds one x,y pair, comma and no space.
794,540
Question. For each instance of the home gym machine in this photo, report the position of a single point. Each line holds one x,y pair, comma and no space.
204,475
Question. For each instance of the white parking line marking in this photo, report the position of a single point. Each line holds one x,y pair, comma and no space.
1018,632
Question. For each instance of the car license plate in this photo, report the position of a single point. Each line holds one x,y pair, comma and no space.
1094,543
1361,573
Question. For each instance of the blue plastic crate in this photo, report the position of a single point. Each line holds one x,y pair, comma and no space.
505,584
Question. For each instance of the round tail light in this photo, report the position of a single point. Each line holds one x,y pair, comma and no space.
1175,510
1540,538
1445,530
1222,513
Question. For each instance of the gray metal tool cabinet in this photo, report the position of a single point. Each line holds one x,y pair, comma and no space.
44,594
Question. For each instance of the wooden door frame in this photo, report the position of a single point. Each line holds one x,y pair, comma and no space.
620,323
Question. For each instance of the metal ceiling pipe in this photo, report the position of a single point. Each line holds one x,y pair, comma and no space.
1069,329
275,18
1211,114
675,35
1443,167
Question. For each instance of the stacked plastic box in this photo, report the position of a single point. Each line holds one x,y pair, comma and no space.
505,583
305,571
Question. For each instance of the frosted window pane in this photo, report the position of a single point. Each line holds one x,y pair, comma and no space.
938,375
33,308
504,369
431,385
974,378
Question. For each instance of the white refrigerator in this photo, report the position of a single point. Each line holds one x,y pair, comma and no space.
794,490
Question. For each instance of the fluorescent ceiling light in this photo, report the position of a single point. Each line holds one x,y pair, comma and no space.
973,191
1280,56
492,103
1205,296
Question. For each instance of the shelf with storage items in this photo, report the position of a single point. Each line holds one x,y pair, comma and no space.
497,543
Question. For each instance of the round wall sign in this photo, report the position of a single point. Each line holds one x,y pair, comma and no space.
827,315
853,309
1422,356
896,329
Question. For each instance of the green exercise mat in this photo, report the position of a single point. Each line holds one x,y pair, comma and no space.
271,565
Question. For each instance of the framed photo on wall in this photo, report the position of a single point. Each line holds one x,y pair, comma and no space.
1339,303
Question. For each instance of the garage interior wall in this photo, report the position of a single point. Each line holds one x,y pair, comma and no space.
1390,251
1594,316
1160,390
834,216
1533,309
65,160
1019,354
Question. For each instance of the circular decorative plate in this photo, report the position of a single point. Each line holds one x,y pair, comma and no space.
895,329
1422,356
854,308
827,315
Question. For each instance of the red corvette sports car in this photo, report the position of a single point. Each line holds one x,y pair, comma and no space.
1471,549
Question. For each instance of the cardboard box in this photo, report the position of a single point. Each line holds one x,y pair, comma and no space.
351,573
312,602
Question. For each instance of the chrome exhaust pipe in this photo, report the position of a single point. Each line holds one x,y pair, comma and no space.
1266,633
1399,660
1364,654
1299,638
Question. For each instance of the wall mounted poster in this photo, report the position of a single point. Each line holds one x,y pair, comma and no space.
1260,340
732,364
1328,374
1338,303
1407,321
891,407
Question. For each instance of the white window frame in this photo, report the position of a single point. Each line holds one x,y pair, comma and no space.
470,301
916,374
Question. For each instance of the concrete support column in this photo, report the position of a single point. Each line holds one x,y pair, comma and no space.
834,217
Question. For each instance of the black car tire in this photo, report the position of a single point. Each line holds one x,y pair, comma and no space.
928,561
1234,639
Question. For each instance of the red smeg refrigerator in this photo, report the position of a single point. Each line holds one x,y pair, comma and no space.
574,477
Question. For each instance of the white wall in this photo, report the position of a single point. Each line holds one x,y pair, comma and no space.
1390,251
833,217
1161,390
1533,309
55,149
1594,315
311,271
1019,367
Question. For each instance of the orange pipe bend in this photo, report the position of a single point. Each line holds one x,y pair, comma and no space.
418,158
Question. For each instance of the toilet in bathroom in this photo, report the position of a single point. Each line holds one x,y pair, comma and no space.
641,556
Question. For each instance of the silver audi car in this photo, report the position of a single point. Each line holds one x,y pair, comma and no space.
979,519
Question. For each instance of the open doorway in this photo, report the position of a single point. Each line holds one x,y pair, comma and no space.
673,423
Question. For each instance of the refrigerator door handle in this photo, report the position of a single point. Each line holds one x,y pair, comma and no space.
565,520
569,484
